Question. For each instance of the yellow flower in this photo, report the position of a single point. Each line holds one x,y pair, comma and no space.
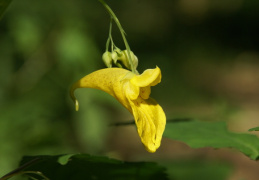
132,91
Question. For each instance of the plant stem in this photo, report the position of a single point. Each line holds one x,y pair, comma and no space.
110,36
109,39
122,33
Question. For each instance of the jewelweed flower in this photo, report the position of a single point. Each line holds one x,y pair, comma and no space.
132,91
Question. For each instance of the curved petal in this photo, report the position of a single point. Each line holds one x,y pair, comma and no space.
149,77
150,120
109,80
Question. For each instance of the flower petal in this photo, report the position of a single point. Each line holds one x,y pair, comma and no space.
131,90
150,121
109,80
145,92
149,77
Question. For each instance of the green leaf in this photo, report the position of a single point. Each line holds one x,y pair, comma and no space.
201,169
84,166
3,6
199,134
254,129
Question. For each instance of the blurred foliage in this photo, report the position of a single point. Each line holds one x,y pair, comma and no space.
198,169
46,45
3,6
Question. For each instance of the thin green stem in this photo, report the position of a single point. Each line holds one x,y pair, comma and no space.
3,6
110,36
20,169
118,65
25,172
36,172
108,43
122,33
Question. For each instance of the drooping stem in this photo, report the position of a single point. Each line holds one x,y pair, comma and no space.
110,35
114,17
109,38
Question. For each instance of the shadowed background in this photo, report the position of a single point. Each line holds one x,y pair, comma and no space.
207,51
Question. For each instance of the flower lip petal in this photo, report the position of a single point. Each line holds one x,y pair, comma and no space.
145,92
149,77
150,120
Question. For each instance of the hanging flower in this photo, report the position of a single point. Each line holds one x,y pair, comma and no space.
132,91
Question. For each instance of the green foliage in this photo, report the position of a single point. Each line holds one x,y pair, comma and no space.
254,129
198,169
84,166
199,134
3,6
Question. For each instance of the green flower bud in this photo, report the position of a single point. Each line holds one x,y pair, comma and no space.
107,59
126,60
114,56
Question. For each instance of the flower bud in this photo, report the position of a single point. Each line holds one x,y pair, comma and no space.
126,60
107,59
114,56
135,61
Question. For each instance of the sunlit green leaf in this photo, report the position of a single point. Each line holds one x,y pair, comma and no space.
3,6
212,134
83,166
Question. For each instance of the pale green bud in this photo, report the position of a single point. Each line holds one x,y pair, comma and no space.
126,60
107,59
114,56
